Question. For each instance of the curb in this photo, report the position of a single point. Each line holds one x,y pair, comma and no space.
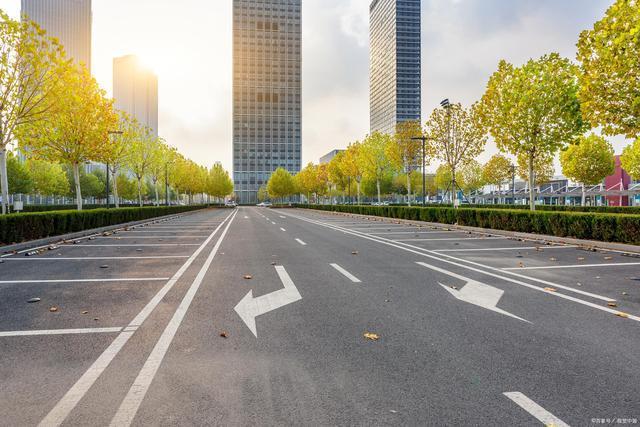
585,244
47,241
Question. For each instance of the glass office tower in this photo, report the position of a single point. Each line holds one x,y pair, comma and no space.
266,92
395,63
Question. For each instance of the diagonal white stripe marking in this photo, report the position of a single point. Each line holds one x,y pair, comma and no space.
348,275
301,242
541,414
63,408
129,407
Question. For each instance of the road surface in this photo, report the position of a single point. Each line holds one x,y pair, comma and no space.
281,316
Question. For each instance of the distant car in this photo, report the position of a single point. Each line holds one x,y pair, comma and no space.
264,204
231,204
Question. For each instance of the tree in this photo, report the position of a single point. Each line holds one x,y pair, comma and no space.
307,180
116,156
78,130
49,179
457,137
610,79
533,110
141,156
219,184
588,162
542,169
18,175
472,179
630,159
128,187
404,152
29,73
351,165
263,194
442,178
280,184
157,162
373,159
497,170
336,173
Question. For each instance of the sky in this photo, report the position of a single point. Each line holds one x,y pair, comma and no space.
188,44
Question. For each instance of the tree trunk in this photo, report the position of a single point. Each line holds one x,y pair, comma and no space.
584,195
532,195
408,187
4,181
116,199
155,186
378,187
454,194
358,186
76,180
140,191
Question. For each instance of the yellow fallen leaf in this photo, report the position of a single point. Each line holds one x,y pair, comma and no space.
53,309
550,289
621,314
612,304
248,276
371,336
608,258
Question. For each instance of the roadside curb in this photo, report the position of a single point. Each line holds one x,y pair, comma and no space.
585,244
59,239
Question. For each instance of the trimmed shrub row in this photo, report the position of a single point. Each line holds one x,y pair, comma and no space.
629,210
16,228
604,227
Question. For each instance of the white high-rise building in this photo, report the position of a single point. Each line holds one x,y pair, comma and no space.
67,20
135,90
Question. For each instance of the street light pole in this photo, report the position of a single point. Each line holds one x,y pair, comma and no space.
424,175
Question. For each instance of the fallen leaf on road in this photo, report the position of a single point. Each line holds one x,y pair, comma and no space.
354,253
550,289
273,263
553,259
371,336
621,314
224,334
624,293
53,309
104,266
612,304
32,300
248,276
608,258
453,287
96,318
580,258
85,312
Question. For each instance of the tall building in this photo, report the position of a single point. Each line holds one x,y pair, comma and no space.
135,90
395,63
67,20
266,92
329,156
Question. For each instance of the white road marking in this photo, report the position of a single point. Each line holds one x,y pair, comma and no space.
246,217
348,275
404,232
146,237
93,258
522,248
63,408
273,223
460,239
541,414
59,332
132,245
249,307
301,242
282,229
129,406
474,292
142,279
431,254
553,267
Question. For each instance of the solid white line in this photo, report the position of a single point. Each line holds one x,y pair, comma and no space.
91,258
404,232
348,275
59,332
83,245
449,239
282,229
525,248
541,414
63,408
142,279
301,242
147,237
553,267
273,223
131,403
431,254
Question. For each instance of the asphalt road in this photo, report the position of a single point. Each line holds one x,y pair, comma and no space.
258,317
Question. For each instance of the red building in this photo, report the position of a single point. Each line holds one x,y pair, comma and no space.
620,180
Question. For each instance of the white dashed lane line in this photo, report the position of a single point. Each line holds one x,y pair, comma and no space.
537,411
141,279
345,273
282,229
301,242
60,332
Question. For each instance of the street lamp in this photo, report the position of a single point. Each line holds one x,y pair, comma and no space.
111,132
424,155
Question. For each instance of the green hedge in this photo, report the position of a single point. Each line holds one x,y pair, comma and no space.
604,227
15,228
629,210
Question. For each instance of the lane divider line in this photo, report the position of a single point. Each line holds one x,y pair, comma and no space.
129,406
301,242
63,408
60,332
130,279
345,273
541,414
553,267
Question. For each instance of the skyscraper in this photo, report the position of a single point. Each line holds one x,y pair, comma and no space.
67,20
135,90
266,92
395,63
